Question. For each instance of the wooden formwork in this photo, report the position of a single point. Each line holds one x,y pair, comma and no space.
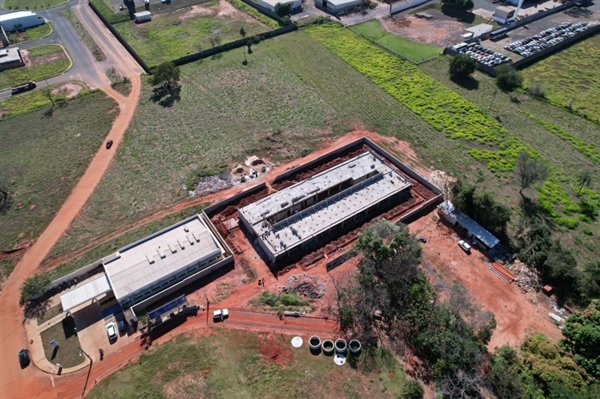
502,272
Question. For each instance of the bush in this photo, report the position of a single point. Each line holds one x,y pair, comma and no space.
537,90
412,390
462,5
291,300
508,78
462,66
34,287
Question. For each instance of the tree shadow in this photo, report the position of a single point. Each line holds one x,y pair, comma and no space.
54,353
49,112
469,83
166,96
534,214
36,308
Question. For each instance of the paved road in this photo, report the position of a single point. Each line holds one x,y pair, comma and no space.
85,68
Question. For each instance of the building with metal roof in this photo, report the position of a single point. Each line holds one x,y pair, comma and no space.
301,214
20,20
336,7
473,229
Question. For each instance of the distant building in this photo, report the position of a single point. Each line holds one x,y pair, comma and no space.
20,20
467,226
10,58
142,16
503,14
336,7
295,5
479,31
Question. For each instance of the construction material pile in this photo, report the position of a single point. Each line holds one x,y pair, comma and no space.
527,278
578,12
306,285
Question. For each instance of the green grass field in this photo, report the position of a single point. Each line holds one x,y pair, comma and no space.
29,35
68,354
171,36
571,77
89,41
26,102
412,51
232,365
276,106
30,4
47,60
43,155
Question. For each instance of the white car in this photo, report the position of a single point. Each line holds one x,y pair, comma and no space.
111,330
466,247
220,314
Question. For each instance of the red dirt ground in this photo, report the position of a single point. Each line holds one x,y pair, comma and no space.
517,315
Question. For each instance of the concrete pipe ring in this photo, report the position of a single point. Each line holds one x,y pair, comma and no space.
314,342
341,346
327,347
355,346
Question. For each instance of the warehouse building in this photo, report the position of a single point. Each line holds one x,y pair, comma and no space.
10,58
156,266
336,7
20,20
295,5
333,200
467,226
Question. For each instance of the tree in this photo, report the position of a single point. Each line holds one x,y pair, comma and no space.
590,282
283,10
34,287
243,34
47,91
166,75
508,78
412,390
3,192
482,207
214,39
582,337
252,41
530,171
584,178
462,5
462,66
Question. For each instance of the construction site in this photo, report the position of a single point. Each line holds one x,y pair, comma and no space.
311,214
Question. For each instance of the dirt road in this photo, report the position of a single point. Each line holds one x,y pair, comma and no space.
14,382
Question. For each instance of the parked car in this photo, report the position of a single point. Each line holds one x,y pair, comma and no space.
121,324
24,87
466,247
220,314
24,357
111,330
109,144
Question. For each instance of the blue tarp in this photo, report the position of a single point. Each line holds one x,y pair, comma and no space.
116,308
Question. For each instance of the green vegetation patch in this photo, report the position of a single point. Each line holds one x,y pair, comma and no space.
439,106
408,49
44,153
46,61
30,4
171,36
238,364
30,34
571,77
89,41
590,151
26,102
7,265
111,246
112,15
286,301
254,13
68,353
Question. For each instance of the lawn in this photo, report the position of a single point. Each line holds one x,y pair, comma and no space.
44,153
30,34
68,354
6,267
27,102
171,36
89,41
45,61
30,4
571,77
239,364
276,107
407,49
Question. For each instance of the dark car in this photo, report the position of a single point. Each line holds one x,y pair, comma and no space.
121,324
24,357
24,87
109,144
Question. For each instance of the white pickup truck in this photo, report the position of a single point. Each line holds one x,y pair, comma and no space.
220,314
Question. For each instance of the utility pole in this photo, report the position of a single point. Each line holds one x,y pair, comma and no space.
207,306
89,371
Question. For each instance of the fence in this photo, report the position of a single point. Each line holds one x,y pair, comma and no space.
417,62
402,6
116,34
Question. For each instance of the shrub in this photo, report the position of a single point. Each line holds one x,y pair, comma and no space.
508,78
34,286
462,5
462,66
537,90
412,390
587,231
291,300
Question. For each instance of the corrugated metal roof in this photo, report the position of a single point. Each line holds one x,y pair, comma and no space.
14,15
472,226
84,293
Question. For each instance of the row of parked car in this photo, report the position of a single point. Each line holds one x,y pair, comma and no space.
484,55
547,38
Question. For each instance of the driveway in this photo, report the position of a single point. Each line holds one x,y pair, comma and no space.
85,67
